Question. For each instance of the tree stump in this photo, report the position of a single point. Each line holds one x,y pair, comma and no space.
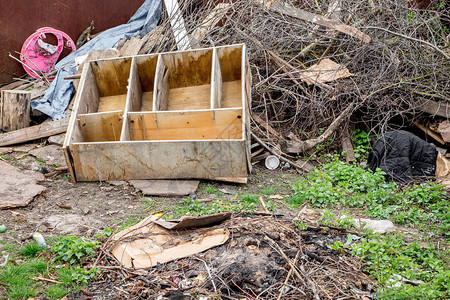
14,109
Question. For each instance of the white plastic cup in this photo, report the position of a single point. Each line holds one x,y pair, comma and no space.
272,162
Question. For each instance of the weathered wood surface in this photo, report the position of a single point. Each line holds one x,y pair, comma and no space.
159,160
34,132
14,110
435,108
101,127
166,187
177,22
211,20
187,125
216,83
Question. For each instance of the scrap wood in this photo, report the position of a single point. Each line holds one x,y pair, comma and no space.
39,278
347,147
441,109
286,9
166,187
429,132
193,222
23,135
265,125
211,20
178,26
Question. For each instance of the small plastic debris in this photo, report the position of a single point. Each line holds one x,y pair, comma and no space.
2,228
272,162
39,239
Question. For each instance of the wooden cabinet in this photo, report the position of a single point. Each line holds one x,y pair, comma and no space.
163,116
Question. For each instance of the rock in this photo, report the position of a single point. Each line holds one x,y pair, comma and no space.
117,182
18,187
52,155
71,224
378,226
57,140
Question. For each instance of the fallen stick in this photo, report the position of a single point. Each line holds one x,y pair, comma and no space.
312,286
47,279
287,278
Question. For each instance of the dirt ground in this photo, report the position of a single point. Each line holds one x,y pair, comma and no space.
85,208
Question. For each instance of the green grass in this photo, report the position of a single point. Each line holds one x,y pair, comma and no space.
32,249
17,280
339,184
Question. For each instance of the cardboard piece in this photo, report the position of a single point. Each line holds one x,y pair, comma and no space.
193,222
325,71
146,244
18,187
166,187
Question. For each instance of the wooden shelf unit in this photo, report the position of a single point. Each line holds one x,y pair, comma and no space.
175,115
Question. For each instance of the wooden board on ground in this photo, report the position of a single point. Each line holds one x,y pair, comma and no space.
52,155
18,187
23,135
166,187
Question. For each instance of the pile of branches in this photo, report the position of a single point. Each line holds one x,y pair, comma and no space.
397,51
267,257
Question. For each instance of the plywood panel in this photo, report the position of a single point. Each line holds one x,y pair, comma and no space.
159,160
89,97
112,103
216,83
146,66
230,62
232,94
161,90
189,98
111,76
101,126
193,125
189,68
147,101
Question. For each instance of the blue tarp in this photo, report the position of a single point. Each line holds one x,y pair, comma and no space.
58,95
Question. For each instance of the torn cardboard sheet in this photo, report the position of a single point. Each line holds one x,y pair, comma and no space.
166,187
325,71
18,187
146,244
193,222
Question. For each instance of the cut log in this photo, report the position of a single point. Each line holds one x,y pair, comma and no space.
14,109
34,132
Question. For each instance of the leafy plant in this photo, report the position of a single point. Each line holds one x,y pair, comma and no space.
72,249
361,141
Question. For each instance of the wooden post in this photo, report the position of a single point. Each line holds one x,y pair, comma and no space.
14,109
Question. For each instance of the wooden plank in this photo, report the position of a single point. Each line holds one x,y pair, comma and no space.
88,99
189,125
161,89
429,132
146,66
34,132
178,26
101,127
14,109
435,108
347,147
166,187
211,20
147,101
159,160
112,103
289,10
111,75
230,59
190,98
216,83
134,100
189,68
232,94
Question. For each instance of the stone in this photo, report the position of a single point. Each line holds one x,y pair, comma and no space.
166,187
52,155
18,187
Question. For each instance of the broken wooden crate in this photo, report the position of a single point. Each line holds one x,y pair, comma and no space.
162,116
